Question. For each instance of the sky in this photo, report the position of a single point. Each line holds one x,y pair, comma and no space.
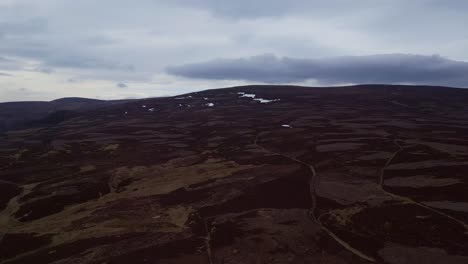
112,49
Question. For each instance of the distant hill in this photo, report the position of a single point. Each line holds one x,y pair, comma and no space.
20,115
69,100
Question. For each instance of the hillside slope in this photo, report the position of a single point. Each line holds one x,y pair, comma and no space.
256,174
21,115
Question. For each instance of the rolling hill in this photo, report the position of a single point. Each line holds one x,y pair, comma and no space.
253,174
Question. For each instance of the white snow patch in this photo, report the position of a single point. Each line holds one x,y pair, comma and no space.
209,104
151,109
261,100
125,113
204,98
266,101
287,126
248,95
144,106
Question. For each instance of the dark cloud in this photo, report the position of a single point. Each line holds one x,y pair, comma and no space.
5,74
121,85
388,68
44,70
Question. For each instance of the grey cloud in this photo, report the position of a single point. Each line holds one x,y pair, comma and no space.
99,40
5,74
10,64
44,70
55,45
115,40
121,85
86,62
269,8
318,8
30,26
387,68
54,54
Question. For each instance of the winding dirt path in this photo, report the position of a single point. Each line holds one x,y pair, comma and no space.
207,240
313,196
408,199
7,219
382,171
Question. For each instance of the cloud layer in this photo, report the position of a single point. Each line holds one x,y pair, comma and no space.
98,44
389,68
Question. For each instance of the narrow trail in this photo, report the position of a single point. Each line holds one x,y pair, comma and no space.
207,241
408,199
382,171
313,208
6,216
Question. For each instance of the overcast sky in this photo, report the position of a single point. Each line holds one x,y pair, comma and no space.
112,49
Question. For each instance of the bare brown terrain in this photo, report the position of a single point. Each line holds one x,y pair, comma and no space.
256,174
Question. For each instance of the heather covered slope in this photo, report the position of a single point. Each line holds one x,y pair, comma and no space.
21,115
253,174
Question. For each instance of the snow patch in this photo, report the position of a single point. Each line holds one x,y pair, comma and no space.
151,109
265,101
144,106
209,104
260,100
286,126
248,95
